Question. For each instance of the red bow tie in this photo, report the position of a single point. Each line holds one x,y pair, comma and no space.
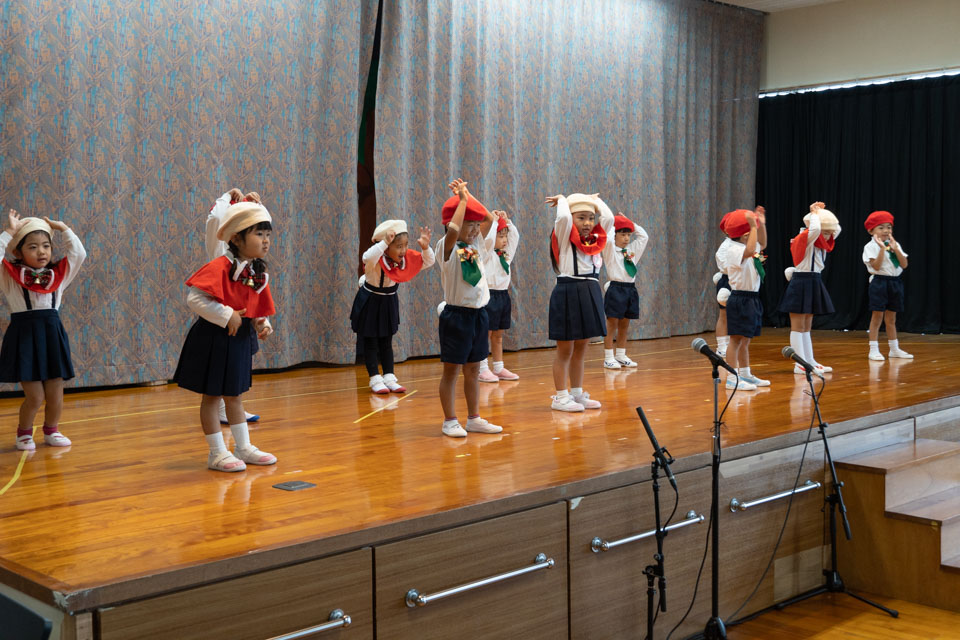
244,273
42,277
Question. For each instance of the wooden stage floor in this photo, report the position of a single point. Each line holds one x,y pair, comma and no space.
131,509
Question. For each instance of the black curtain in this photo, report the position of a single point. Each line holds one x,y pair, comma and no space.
894,147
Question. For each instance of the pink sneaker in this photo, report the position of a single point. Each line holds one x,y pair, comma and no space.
506,374
488,376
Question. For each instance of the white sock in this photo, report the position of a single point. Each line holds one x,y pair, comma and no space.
621,353
874,346
497,366
744,371
484,366
722,342
241,435
608,354
562,393
808,348
215,442
451,422
893,344
796,343
576,391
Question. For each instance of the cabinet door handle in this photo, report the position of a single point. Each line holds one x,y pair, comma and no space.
416,599
337,620
597,544
736,505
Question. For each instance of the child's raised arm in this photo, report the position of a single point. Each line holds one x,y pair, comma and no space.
459,188
761,226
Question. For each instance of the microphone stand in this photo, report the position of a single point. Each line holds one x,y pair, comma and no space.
715,629
655,571
834,583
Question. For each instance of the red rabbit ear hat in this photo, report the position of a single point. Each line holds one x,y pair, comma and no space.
475,209
501,224
735,224
877,218
622,223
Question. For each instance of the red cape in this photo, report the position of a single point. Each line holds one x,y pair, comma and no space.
589,249
214,279
16,272
798,246
412,263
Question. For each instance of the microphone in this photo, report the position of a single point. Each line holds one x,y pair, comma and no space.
661,454
700,346
791,353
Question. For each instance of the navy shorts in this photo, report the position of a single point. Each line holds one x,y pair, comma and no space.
463,334
622,300
722,283
744,314
499,309
886,293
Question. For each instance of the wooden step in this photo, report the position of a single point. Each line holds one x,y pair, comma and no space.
939,508
898,457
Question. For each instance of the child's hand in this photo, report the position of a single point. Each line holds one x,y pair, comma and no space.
233,324
263,328
817,205
389,237
761,214
253,196
235,195
13,221
424,240
752,220
893,243
55,224
879,242
553,200
459,187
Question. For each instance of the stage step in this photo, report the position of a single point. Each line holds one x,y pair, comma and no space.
904,508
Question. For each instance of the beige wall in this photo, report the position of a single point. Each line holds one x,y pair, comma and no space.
856,39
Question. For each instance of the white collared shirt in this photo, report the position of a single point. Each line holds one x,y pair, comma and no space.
871,250
497,278
564,225
741,271
456,290
613,257
75,255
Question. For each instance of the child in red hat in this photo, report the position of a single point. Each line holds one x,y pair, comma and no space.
501,244
806,294
464,326
885,260
747,231
375,315
580,232
621,303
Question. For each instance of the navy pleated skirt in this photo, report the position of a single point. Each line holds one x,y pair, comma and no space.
35,347
622,300
576,310
375,312
215,363
806,293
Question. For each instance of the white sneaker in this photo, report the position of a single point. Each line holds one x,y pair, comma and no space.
611,364
377,386
899,353
755,381
251,417
390,382
876,355
26,443
252,455
822,368
56,439
742,385
626,361
584,399
480,425
722,352
453,429
566,403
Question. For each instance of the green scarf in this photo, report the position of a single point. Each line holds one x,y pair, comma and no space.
628,264
892,254
760,270
469,266
503,261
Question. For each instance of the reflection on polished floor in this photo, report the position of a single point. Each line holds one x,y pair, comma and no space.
132,497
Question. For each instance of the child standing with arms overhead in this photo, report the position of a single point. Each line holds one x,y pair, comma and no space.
806,294
747,231
580,233
621,304
885,260
36,351
375,315
232,296
501,245
463,321
216,248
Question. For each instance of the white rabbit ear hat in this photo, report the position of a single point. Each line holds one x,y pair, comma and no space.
385,227
29,226
828,221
